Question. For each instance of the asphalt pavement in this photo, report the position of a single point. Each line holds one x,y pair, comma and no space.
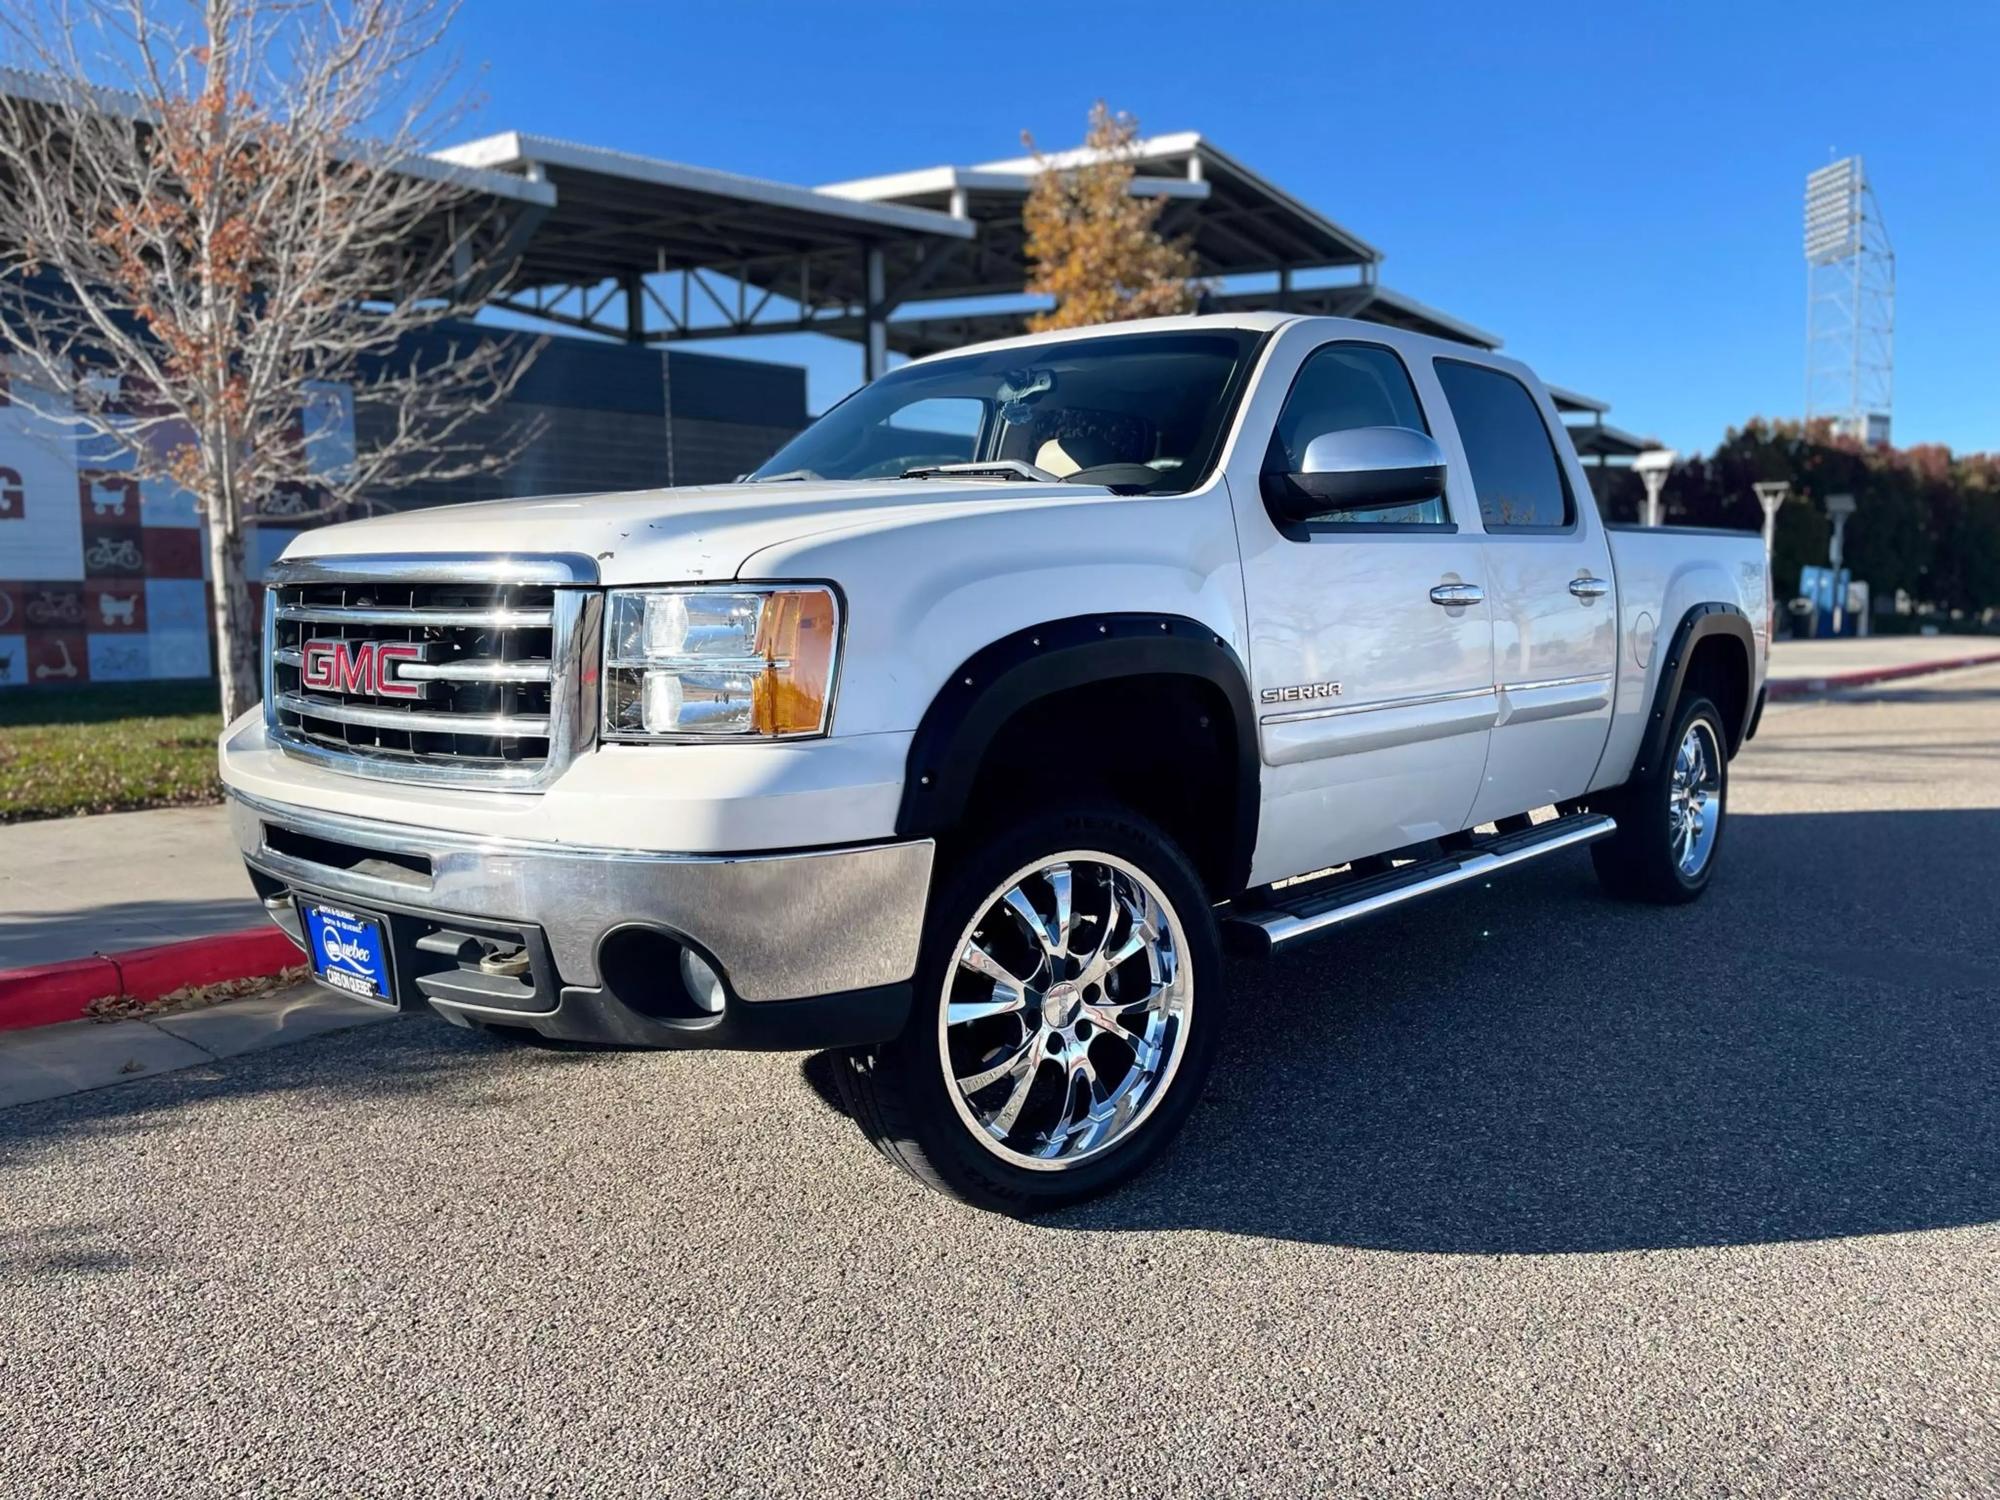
1526,1192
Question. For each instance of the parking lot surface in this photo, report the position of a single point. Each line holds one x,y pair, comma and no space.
1522,1192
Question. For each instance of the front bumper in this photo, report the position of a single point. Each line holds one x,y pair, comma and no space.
816,947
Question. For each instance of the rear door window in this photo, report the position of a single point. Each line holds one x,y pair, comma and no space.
1515,470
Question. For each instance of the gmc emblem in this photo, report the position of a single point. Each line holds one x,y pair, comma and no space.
362,667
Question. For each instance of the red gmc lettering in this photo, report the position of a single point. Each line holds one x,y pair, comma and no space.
359,667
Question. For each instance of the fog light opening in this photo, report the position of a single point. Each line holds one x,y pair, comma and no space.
704,985
657,975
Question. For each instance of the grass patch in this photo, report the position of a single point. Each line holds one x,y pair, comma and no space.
107,747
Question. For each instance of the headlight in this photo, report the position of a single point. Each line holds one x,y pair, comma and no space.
696,663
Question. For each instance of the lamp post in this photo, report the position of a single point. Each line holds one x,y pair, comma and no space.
1771,493
1839,507
1651,466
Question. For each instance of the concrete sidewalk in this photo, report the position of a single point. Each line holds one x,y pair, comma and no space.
1795,660
51,1061
71,887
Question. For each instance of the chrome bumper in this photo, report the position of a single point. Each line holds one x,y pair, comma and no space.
783,926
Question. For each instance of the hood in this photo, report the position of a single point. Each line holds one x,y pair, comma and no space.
677,535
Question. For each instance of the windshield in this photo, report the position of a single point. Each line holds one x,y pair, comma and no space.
1137,412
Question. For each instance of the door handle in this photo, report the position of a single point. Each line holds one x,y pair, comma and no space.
1589,588
1449,594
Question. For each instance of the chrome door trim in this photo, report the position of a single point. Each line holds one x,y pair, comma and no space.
1553,698
1554,682
1589,588
1380,726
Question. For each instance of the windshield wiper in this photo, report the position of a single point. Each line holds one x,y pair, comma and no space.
994,468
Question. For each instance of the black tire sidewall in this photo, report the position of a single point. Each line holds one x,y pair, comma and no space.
942,1136
1666,874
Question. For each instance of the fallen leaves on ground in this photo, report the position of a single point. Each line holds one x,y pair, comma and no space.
190,997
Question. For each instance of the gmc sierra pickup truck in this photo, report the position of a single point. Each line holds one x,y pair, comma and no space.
967,735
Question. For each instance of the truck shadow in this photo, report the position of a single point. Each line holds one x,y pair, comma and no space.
389,1066
1811,1052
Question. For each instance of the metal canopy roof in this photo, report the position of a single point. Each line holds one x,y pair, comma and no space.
1237,222
506,207
1248,219
1369,301
997,263
1571,401
652,251
601,240
616,214
1602,441
31,87
918,336
619,219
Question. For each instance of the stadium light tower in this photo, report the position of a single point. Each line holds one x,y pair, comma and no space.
1850,304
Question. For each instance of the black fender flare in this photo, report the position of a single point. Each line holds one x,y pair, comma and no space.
999,680
1699,623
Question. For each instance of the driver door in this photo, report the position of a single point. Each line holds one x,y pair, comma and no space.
1374,694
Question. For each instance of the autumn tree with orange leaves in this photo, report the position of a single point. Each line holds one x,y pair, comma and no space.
214,212
1094,246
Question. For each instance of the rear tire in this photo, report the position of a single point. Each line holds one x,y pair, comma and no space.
1670,819
1067,1009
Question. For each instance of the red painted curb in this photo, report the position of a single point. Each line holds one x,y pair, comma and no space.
47,993
1807,687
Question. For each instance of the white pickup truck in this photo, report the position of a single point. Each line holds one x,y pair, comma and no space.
968,734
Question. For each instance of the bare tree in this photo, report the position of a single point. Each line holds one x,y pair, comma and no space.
1095,247
210,210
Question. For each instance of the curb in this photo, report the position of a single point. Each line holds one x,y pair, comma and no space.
1793,688
47,993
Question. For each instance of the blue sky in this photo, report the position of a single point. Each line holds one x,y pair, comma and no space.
1614,189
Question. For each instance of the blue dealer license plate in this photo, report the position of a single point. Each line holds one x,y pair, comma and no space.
348,951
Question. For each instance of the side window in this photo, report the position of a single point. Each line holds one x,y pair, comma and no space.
1343,386
1513,459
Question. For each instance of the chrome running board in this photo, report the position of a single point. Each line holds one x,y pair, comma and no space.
1291,917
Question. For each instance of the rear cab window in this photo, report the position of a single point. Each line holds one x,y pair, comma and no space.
1516,471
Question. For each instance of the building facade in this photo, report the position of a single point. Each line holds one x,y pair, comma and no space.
102,574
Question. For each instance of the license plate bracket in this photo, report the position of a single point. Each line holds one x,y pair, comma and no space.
349,950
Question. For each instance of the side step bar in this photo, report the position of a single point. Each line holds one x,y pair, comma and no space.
1314,910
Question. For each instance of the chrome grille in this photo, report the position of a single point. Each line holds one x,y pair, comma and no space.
500,638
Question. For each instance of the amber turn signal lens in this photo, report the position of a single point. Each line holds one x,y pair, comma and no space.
795,636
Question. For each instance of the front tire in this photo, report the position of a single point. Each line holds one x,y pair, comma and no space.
1670,819
1066,1016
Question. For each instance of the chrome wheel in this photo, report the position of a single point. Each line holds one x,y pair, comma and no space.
1067,1011
1694,798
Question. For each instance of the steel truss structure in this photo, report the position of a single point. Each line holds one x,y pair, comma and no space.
656,252
1850,303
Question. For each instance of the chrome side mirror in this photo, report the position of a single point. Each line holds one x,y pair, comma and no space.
1361,468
